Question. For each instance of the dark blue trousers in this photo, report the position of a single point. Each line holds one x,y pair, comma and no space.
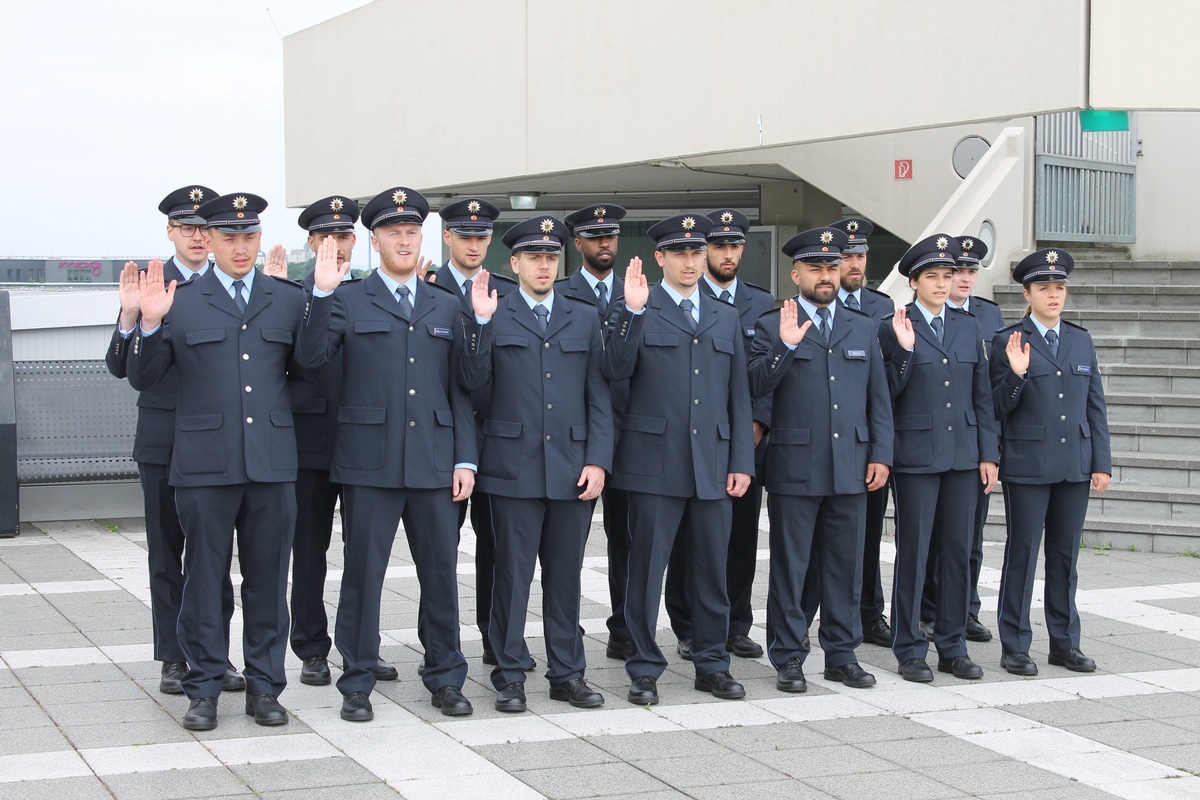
316,499
929,596
616,531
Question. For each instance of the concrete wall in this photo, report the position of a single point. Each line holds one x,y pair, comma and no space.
1168,186
1143,55
63,325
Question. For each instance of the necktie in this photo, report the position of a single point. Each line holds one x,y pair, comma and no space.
725,296
1052,340
852,302
467,288
936,324
823,326
406,308
687,307
543,316
602,294
238,298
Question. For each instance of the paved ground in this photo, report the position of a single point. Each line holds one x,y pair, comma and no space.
81,717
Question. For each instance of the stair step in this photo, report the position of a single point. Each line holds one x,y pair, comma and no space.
1110,297
1141,322
1174,351
1162,408
1121,533
1181,439
1161,470
1156,273
1149,503
1151,378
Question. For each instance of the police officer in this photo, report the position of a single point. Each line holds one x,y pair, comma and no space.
854,293
547,444
468,233
405,446
230,335
1048,395
596,229
686,447
726,246
990,319
831,443
154,439
945,447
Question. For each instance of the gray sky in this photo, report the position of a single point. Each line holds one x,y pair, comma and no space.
109,106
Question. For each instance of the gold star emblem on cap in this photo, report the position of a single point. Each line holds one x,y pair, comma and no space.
600,213
474,206
240,203
1052,257
727,218
826,237
852,226
547,225
336,204
689,223
399,197
196,195
941,243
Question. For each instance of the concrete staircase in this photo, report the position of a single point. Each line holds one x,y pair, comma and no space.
1145,320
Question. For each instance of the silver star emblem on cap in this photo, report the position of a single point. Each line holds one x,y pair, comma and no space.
726,218
826,237
942,243
689,223
852,225
1052,257
399,197
474,206
547,225
196,195
336,204
968,244
240,203
600,212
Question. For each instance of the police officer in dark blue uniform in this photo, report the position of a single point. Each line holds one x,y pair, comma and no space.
467,233
686,447
726,246
1054,429
990,320
597,231
154,439
405,446
547,444
231,335
945,448
830,443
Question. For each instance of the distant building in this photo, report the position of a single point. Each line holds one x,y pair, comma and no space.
63,270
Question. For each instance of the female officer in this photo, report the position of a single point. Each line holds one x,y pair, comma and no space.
1047,393
945,447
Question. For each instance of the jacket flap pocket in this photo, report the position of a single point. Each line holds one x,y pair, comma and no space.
862,433
1031,433
161,400
505,429
372,326
201,422
206,335
509,340
281,335
790,435
967,358
723,430
914,422
723,345
362,415
633,422
971,419
658,339
282,419
579,433
444,417
1086,430
803,352
574,345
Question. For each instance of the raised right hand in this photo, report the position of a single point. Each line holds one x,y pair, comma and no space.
637,291
328,275
790,330
128,293
902,327
484,303
154,300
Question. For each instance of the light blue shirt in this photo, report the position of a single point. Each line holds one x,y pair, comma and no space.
857,295
227,281
548,302
1042,328
459,278
930,316
392,285
593,282
716,290
677,297
811,310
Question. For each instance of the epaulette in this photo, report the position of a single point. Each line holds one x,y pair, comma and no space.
444,288
960,310
563,279
881,294
1016,326
985,300
297,284
756,286
494,276
575,299
859,310
1074,325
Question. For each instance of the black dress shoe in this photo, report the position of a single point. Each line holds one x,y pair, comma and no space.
851,675
620,649
790,677
976,630
878,633
1072,659
961,667
511,698
315,671
451,701
643,691
684,648
720,684
201,714
171,681
743,646
265,709
356,707
1019,664
577,693
805,644
420,667
232,680
916,670
927,631
385,671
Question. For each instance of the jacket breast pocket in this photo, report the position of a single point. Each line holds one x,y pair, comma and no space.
360,437
914,440
283,441
372,326
789,455
1022,454
501,457
643,443
963,356
278,335
657,339
573,345
511,340
723,345
204,336
199,444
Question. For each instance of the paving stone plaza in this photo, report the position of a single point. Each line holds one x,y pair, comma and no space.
81,717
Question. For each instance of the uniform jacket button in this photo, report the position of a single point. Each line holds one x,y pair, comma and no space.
249,420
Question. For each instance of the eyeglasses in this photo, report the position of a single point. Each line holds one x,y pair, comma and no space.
187,231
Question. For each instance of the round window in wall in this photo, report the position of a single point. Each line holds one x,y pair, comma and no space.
967,154
987,235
